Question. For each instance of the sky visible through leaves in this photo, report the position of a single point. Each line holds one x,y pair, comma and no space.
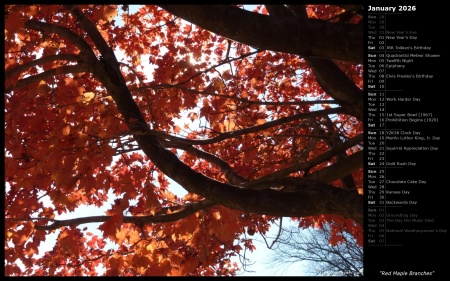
102,114
257,259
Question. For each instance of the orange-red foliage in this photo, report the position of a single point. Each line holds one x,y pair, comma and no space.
67,145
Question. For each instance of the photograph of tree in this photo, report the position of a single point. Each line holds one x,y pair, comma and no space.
254,112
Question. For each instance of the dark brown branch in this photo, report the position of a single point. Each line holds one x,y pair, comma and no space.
347,181
78,41
340,169
236,133
356,9
279,11
138,220
299,11
308,39
296,182
232,177
246,101
90,28
315,138
338,85
313,162
317,179
40,61
217,65
48,74
303,202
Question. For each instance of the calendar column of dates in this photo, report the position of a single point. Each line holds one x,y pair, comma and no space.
376,208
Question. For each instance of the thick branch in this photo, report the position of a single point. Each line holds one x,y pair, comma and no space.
279,11
299,11
288,35
338,85
340,169
305,202
328,75
90,28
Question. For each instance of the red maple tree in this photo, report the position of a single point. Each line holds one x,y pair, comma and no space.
272,105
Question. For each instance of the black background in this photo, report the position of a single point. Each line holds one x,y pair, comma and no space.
426,251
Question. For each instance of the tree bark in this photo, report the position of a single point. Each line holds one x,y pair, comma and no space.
309,38
309,198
